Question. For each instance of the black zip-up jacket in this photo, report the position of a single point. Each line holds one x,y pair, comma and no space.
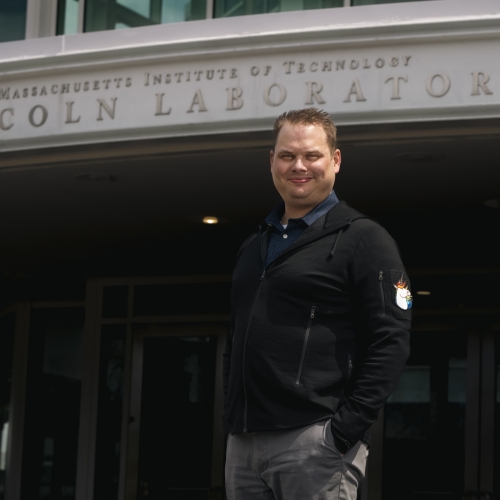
318,334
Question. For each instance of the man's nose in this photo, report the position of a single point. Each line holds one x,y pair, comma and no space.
299,165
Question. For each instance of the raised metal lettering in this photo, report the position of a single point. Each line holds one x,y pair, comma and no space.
31,116
355,90
313,93
395,85
3,126
197,101
69,113
446,84
159,106
281,97
104,105
479,81
234,100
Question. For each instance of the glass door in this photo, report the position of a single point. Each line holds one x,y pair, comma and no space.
175,443
495,476
440,426
424,445
7,328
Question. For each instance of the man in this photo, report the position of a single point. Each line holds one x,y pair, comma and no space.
318,340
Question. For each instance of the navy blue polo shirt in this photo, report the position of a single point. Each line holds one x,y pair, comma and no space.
281,238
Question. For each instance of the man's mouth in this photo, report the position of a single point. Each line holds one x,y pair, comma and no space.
300,180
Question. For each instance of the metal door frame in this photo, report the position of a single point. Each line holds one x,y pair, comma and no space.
90,382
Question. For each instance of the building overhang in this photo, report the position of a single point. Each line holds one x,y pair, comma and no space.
404,63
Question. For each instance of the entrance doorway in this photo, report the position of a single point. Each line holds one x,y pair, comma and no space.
437,437
175,443
151,424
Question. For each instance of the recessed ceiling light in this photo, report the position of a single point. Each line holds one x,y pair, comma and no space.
209,219
420,157
96,177
494,203
423,292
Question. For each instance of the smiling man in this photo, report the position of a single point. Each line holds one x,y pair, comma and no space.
318,338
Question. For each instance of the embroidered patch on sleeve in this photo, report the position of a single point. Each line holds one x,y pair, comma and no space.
404,300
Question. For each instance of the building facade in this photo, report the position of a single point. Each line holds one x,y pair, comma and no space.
125,124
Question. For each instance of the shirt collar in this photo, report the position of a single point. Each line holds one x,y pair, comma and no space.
274,218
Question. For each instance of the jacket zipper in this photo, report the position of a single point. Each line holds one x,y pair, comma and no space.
381,287
349,371
243,364
304,346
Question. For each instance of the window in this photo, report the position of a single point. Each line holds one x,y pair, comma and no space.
425,420
52,404
7,326
67,17
119,14
12,20
373,2
228,8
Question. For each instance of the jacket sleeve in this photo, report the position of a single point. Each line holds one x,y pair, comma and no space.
384,326
226,357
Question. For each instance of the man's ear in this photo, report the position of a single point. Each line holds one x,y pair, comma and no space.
271,157
337,160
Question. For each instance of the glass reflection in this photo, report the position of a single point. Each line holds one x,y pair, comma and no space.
52,404
7,326
425,421
496,465
109,412
177,417
120,14
12,20
229,8
374,2
67,17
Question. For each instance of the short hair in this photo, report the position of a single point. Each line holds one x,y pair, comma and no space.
308,116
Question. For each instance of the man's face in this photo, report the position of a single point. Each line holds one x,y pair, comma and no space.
302,165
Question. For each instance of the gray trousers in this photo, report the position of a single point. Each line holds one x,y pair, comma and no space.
293,464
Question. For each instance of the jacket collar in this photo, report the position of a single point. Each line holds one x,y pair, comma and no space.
338,217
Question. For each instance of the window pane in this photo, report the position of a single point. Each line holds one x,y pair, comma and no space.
496,465
177,404
424,421
119,14
109,412
12,20
7,326
52,404
372,2
228,8
67,17
141,7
